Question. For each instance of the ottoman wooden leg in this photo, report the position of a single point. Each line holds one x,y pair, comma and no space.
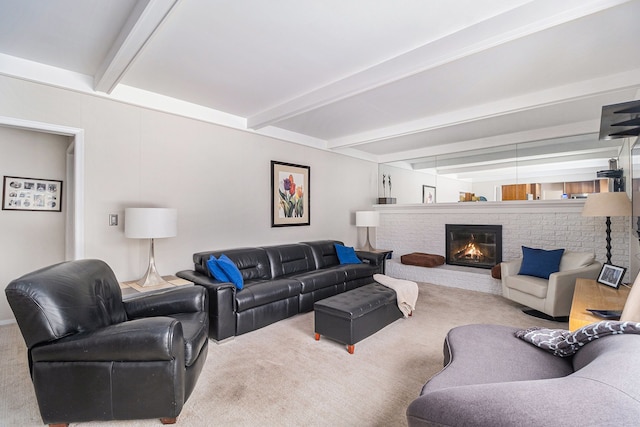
317,336
351,348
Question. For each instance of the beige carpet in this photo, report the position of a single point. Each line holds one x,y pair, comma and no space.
281,376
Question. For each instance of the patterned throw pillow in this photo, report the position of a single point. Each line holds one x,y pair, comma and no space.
565,343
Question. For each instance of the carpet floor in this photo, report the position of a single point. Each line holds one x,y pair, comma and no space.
281,376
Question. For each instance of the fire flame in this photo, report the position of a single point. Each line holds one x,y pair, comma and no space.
470,251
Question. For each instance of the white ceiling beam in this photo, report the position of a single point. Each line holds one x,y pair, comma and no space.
570,92
572,129
143,22
516,23
507,157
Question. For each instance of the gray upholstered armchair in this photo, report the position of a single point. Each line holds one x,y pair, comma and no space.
93,356
553,296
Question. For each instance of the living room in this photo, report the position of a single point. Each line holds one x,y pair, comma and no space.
120,145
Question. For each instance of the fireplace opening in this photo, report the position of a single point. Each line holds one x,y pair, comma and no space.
473,245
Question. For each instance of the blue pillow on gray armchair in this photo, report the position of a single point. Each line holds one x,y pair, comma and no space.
539,262
565,343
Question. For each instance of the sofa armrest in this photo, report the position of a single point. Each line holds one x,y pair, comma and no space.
373,258
588,272
222,303
152,338
510,268
562,285
186,299
202,279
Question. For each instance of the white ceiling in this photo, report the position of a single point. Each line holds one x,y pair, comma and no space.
383,80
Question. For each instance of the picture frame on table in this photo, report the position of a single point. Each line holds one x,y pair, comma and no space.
290,194
611,275
428,194
31,194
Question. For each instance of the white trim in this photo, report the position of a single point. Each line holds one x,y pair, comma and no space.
78,213
69,235
515,206
77,147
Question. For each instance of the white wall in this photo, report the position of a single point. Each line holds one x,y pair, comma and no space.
218,179
30,240
407,185
448,190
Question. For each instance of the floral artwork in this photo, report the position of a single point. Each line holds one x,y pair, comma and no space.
289,194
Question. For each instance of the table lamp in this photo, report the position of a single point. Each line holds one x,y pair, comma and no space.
608,205
150,223
367,219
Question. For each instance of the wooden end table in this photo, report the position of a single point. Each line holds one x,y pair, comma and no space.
591,294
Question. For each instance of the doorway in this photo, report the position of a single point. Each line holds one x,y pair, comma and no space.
74,220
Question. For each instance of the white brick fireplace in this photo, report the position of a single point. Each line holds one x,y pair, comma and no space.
538,223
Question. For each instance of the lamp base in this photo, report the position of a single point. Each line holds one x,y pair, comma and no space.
367,246
152,277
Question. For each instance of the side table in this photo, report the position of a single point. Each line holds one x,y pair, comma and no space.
384,254
132,287
591,294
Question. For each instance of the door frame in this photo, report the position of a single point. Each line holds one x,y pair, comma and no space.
74,219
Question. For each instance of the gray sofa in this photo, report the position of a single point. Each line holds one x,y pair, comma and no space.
493,378
279,282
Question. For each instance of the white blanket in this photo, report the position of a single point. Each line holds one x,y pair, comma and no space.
406,292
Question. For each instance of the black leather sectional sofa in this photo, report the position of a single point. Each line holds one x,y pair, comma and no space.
279,282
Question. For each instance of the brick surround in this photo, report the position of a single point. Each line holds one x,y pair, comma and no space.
539,224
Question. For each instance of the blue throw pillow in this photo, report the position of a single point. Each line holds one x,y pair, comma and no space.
346,254
540,263
232,272
216,271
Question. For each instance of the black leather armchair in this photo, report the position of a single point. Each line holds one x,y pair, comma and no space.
93,356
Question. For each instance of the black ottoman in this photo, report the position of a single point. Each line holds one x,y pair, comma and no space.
352,316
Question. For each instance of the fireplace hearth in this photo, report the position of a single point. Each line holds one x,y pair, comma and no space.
473,245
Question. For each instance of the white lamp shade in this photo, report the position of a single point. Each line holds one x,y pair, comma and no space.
367,219
607,204
150,223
